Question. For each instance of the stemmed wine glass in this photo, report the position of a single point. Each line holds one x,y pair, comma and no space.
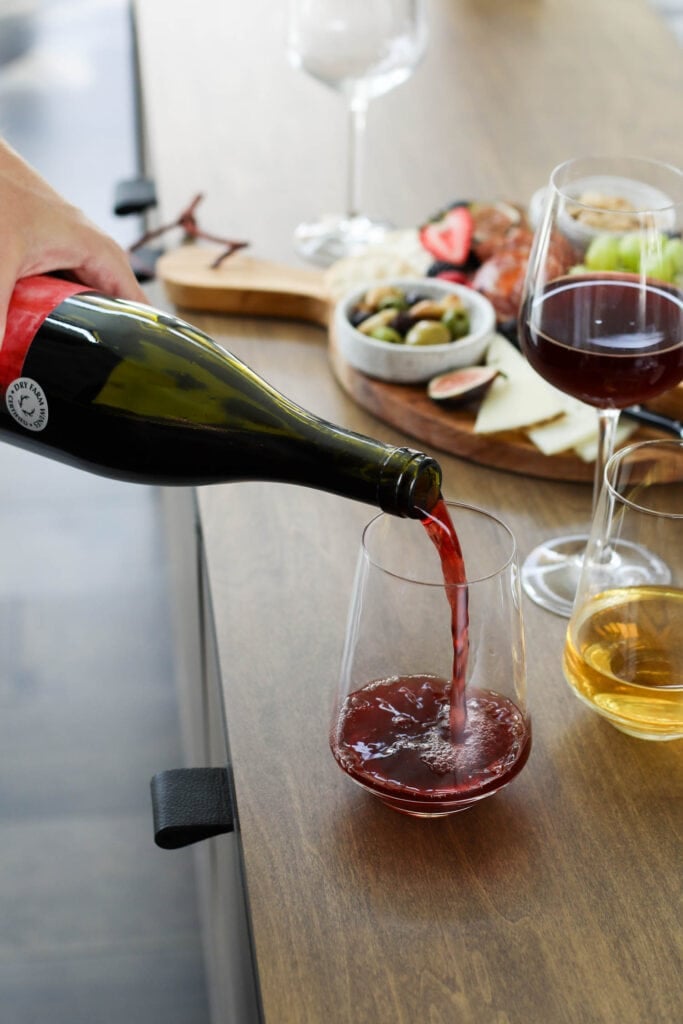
602,313
361,48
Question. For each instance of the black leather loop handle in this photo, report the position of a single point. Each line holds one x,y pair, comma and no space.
190,804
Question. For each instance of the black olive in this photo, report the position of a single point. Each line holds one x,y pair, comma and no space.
402,322
357,316
415,296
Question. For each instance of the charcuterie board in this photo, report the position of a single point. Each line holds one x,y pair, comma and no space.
245,286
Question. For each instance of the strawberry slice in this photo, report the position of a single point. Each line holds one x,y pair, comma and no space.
449,235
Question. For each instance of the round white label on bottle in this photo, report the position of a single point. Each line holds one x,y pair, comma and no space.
27,404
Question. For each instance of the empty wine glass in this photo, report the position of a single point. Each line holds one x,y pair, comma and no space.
362,49
602,313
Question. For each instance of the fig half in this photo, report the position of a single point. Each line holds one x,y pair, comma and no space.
463,385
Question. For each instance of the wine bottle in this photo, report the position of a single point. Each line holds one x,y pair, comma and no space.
127,391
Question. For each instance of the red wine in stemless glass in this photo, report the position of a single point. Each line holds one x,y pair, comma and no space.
395,740
608,340
425,743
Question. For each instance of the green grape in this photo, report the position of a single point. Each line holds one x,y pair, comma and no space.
603,253
674,251
629,252
657,264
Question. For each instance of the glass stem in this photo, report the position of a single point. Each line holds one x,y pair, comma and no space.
358,110
608,420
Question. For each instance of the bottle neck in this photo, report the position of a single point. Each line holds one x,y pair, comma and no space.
410,483
399,481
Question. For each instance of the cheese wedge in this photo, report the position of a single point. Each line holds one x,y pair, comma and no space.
577,425
588,450
519,397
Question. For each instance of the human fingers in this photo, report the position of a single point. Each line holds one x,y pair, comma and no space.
7,282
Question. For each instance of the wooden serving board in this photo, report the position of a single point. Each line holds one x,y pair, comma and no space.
245,286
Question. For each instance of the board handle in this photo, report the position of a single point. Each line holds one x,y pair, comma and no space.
243,285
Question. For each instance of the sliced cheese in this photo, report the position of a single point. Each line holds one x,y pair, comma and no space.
577,425
519,397
588,450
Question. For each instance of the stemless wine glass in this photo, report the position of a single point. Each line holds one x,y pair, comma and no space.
393,728
624,648
361,48
602,312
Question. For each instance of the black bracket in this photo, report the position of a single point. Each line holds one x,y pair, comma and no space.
134,195
190,804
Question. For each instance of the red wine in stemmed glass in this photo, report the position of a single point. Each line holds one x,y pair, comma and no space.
606,326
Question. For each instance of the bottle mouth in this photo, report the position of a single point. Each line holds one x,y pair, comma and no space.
417,487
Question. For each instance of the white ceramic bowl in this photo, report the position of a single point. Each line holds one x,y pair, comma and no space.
412,364
641,196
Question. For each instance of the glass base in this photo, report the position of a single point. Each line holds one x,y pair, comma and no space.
644,734
425,814
333,238
550,574
652,726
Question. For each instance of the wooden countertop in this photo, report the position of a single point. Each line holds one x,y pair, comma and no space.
554,902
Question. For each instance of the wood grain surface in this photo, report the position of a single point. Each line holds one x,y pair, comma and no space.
557,901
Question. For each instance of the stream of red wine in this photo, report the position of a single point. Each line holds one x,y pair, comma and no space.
442,533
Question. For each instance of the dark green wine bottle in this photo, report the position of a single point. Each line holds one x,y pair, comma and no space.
127,391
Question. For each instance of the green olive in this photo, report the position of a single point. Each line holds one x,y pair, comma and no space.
428,332
428,309
377,320
385,296
397,301
387,334
457,321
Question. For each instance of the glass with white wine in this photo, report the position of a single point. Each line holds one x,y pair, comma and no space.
624,650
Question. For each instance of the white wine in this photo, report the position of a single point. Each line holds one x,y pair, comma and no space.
127,391
624,657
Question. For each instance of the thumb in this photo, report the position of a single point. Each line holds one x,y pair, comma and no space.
7,282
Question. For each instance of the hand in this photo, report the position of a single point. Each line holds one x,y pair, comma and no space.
42,232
